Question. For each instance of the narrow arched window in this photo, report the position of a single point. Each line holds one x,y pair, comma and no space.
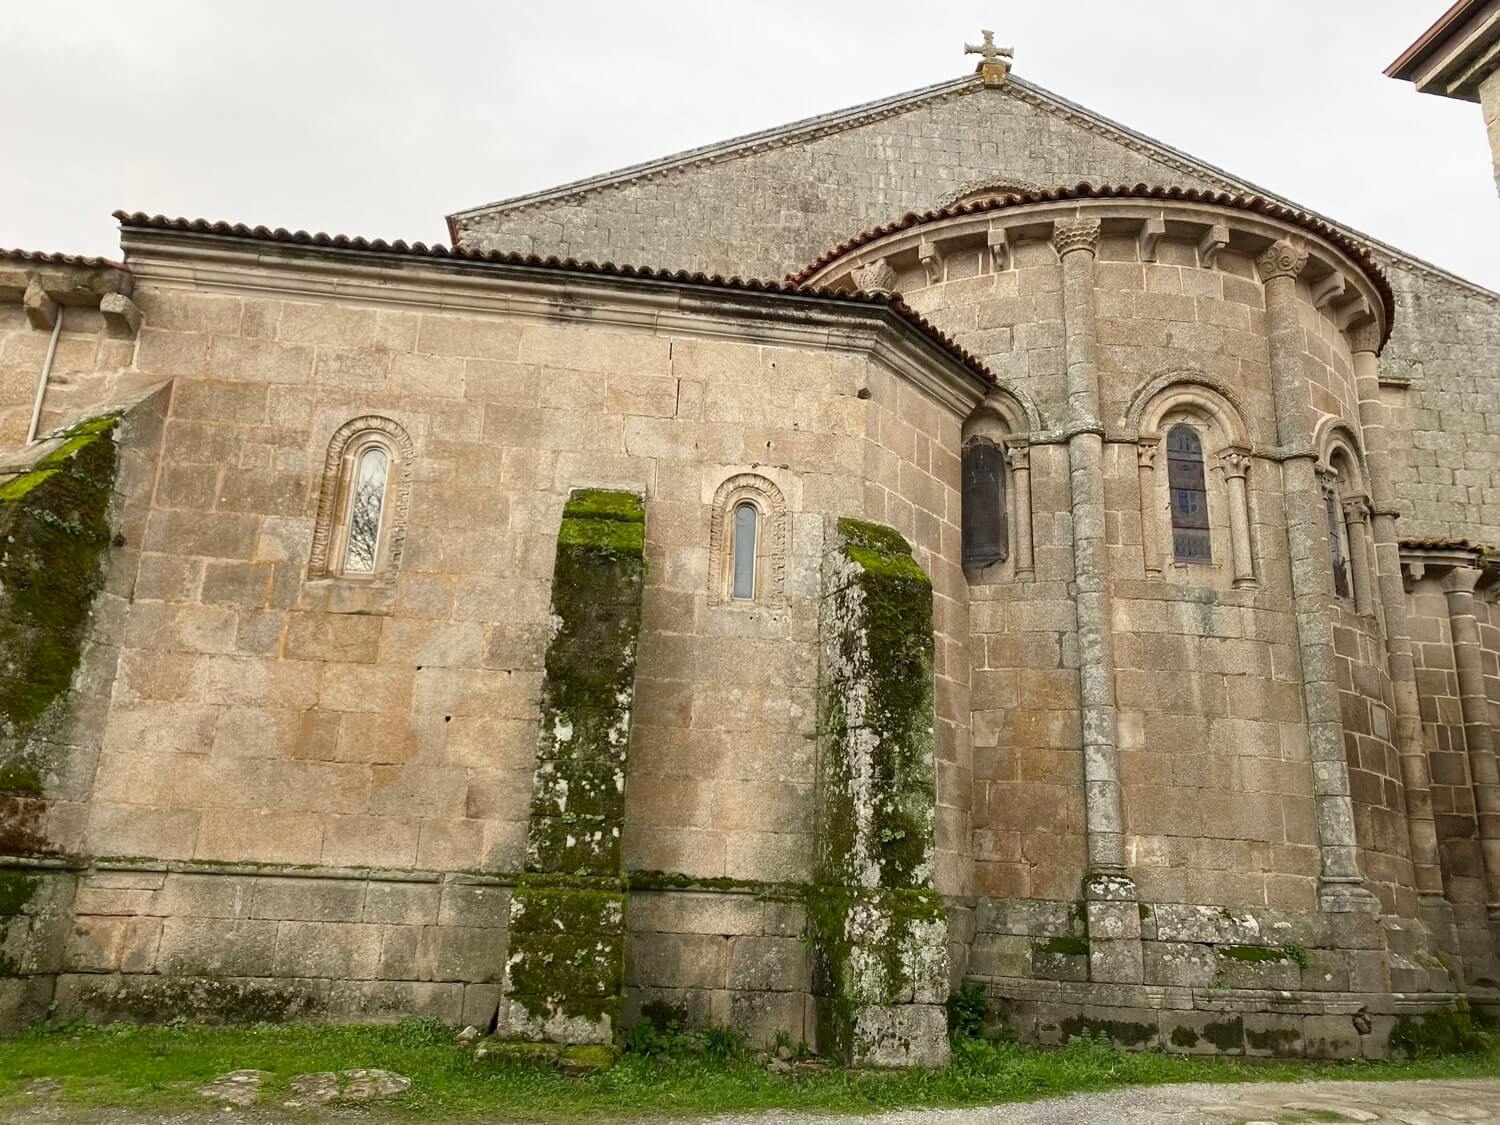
746,522
1188,489
1336,543
363,501
985,535
366,509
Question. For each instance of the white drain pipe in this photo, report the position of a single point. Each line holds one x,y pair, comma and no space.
41,383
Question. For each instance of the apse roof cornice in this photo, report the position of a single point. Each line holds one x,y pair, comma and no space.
1355,250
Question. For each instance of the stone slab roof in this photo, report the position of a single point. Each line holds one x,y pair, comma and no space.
811,128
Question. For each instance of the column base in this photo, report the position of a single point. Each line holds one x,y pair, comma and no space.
1346,896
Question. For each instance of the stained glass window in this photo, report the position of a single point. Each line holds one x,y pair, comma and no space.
1189,496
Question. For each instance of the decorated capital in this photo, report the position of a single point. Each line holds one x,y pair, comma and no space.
1069,235
1283,258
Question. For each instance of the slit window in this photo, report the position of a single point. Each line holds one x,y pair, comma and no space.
746,521
985,535
1336,544
1188,490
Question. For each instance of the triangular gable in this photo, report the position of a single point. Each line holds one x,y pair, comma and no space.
1168,163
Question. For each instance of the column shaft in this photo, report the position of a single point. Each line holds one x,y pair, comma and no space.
1076,243
1416,777
1019,459
1479,740
1342,888
1145,459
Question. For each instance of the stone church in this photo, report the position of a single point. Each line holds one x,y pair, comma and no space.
952,541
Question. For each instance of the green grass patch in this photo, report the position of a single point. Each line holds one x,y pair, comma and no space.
147,1068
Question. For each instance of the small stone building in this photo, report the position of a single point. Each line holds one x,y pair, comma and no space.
1075,591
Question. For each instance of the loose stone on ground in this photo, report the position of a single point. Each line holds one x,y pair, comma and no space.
361,1085
238,1087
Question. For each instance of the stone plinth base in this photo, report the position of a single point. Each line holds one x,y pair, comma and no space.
1250,1022
880,976
567,961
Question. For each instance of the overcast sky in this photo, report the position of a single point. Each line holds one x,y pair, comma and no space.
378,117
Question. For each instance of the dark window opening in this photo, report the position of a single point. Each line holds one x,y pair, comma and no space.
984,530
1188,489
1336,545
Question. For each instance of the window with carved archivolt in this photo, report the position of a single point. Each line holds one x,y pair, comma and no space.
360,532
748,543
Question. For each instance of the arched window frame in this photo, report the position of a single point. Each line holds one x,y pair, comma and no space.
1004,421
1215,414
976,550
766,498
1346,498
347,447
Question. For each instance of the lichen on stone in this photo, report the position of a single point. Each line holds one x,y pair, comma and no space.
878,931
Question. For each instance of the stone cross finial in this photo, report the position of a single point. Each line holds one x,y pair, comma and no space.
995,62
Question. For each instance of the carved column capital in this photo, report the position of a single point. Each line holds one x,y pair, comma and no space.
1461,580
1356,507
1365,337
1075,234
877,277
1236,463
1145,451
1018,457
1283,258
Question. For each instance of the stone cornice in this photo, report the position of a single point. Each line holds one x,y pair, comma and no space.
659,306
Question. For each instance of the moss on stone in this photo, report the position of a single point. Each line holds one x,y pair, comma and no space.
16,889
55,528
20,486
1126,1032
1063,946
1226,1035
873,536
1184,1037
884,650
1255,954
1447,1031
20,779
568,910
1273,1040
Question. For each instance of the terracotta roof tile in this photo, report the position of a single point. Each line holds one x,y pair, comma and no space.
1258,204
1437,543
48,258
605,269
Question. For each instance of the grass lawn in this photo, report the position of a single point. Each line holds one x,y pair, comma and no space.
161,1067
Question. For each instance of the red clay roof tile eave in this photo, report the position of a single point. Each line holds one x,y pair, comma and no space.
1254,204
1417,53
57,258
891,302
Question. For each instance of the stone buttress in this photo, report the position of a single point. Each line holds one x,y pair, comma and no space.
880,964
564,974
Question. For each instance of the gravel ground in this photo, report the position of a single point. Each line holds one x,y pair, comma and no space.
1411,1103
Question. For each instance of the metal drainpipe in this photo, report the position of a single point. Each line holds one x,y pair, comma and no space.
41,383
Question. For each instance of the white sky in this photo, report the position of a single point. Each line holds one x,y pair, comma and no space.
377,117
